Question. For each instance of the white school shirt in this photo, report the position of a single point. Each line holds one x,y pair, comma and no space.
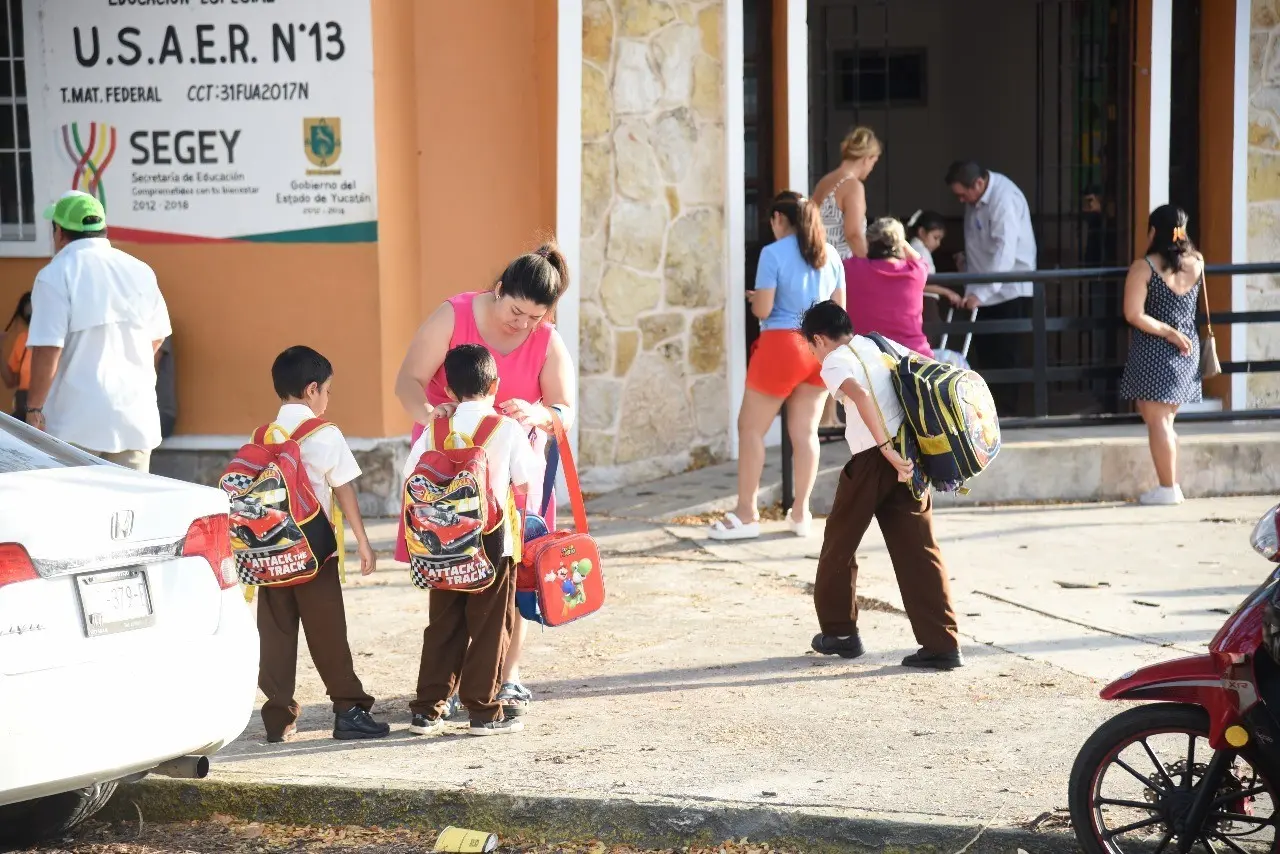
925,255
998,238
326,456
843,364
509,453
104,309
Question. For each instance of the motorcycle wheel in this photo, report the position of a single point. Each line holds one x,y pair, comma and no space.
1134,779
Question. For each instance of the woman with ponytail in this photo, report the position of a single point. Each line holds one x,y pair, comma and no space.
1161,294
796,271
513,320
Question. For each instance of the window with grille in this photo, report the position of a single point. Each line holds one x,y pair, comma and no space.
880,78
19,219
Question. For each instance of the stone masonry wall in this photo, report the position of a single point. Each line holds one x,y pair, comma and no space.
653,392
1263,292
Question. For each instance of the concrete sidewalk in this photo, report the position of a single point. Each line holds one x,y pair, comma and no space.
691,702
1041,465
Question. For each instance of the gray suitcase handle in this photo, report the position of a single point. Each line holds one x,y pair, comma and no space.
968,338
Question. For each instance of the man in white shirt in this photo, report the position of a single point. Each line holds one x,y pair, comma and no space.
998,238
97,320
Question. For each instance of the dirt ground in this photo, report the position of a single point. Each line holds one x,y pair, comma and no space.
225,835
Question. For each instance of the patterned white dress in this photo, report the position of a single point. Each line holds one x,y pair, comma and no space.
833,222
1156,371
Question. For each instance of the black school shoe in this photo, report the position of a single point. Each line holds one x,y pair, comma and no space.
358,723
423,725
926,660
850,647
502,727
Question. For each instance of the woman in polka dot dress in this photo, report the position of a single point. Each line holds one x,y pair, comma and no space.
1163,371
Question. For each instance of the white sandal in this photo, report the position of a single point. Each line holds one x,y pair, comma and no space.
800,529
732,528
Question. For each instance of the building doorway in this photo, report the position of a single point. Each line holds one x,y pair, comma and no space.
1039,90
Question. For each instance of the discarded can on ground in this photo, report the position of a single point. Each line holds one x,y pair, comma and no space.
463,841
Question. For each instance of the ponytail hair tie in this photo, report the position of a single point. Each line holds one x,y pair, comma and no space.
914,218
1179,234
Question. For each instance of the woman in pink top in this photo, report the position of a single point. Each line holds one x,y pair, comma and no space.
885,290
535,375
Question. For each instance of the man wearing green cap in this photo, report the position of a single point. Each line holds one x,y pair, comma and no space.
97,320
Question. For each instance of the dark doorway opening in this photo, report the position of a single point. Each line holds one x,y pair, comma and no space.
1184,114
1039,90
758,148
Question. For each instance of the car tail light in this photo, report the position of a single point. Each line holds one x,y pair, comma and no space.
210,538
15,564
1266,535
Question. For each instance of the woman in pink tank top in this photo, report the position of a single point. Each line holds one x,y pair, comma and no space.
535,374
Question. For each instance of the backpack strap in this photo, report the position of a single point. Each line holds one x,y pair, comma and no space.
880,341
307,428
871,392
260,435
570,474
485,430
440,429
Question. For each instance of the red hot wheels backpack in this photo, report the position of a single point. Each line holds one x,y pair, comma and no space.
279,535
559,579
448,507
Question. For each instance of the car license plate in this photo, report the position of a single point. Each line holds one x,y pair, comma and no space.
116,601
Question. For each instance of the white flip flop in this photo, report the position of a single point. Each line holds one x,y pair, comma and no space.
800,529
734,530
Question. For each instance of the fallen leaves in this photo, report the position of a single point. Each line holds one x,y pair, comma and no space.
224,834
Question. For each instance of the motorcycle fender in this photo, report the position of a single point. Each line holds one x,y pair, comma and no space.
1196,680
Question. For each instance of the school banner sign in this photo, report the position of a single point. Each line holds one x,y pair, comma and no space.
209,120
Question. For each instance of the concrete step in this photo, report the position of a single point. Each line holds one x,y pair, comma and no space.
1035,466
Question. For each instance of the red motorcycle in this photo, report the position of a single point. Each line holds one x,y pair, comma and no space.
1199,767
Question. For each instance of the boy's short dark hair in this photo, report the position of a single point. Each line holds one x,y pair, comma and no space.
470,371
296,368
827,319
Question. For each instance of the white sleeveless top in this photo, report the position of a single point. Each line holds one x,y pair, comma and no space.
833,222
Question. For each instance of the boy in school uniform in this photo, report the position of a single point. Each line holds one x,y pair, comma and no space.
466,640
875,484
302,379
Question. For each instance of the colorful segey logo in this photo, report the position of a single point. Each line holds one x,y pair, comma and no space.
89,146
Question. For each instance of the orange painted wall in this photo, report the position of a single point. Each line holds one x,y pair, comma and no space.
1217,156
466,181
481,129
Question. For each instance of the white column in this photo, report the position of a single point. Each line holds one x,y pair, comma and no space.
1161,97
798,96
734,216
1240,201
569,165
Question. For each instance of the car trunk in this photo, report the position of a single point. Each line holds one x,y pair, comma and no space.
107,545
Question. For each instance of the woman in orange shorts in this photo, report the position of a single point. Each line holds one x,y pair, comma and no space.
799,269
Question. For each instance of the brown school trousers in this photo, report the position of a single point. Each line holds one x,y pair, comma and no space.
869,488
318,605
464,646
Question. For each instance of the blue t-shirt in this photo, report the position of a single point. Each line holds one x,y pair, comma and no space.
798,285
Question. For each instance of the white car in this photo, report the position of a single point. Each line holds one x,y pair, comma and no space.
126,646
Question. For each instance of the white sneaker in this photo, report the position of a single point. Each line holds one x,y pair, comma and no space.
800,529
1162,496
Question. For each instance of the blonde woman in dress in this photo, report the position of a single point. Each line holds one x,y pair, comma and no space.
843,199
843,195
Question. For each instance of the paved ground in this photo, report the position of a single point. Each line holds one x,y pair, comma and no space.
694,686
1038,465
